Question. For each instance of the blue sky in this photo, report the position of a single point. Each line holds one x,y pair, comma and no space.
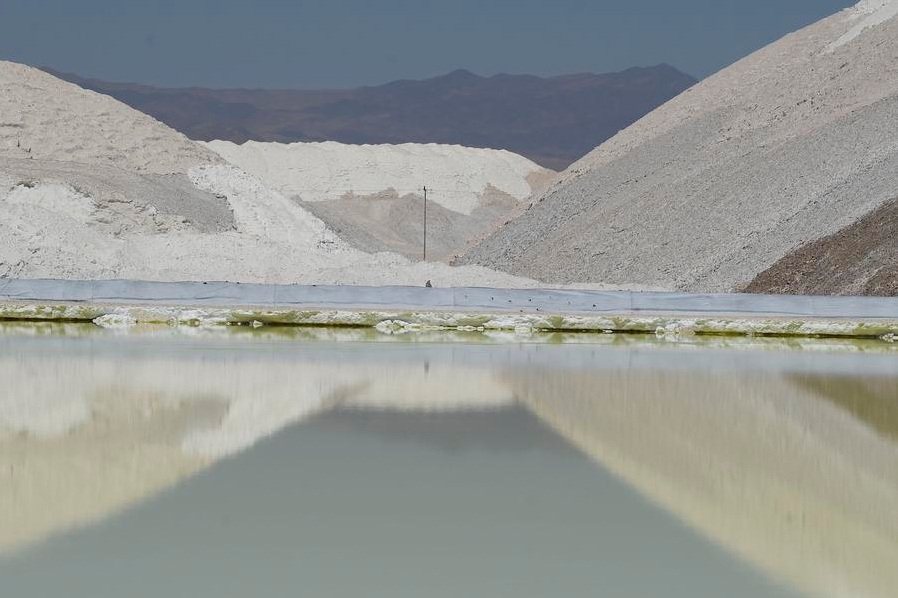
344,43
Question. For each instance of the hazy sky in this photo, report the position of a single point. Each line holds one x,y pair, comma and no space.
343,43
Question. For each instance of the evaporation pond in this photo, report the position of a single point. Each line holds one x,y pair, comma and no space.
218,464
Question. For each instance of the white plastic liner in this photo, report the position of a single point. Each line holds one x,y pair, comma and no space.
550,301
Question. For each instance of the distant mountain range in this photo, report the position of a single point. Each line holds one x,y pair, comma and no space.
553,121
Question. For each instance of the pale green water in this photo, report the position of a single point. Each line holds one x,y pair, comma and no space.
163,464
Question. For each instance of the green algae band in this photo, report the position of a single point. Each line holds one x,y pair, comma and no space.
112,316
121,303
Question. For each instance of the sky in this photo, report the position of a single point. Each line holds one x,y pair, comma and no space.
347,43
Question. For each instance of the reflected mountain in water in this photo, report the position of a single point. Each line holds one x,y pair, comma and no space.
793,471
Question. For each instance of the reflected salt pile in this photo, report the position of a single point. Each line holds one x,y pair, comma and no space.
105,431
74,449
761,465
789,461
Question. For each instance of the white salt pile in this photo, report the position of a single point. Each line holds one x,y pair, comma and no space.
787,146
372,195
90,188
456,176
43,118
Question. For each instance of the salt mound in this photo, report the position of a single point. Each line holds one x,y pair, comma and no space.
45,118
456,176
74,158
372,195
258,210
788,145
90,188
272,240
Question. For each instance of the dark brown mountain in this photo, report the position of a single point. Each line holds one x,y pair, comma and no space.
553,121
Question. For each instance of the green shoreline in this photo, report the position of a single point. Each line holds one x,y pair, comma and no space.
404,320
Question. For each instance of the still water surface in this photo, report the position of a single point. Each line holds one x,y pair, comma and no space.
224,465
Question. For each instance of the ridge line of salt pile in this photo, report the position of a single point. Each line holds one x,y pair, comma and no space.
872,13
321,171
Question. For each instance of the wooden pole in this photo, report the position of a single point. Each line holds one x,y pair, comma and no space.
425,223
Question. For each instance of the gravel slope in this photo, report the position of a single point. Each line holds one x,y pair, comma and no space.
787,146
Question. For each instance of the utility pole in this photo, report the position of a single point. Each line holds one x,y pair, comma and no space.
425,223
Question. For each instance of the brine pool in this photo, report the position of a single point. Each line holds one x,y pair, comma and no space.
297,462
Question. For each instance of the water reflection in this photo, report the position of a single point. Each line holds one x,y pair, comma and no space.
788,461
797,485
104,431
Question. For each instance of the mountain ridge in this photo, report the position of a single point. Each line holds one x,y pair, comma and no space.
550,120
